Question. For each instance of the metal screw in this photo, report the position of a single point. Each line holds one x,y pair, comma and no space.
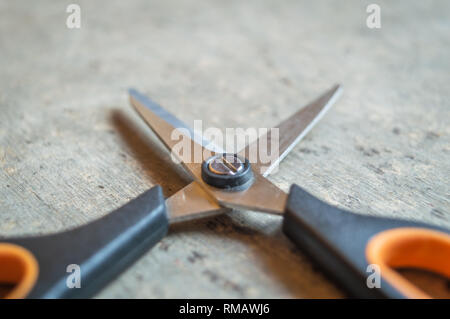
227,164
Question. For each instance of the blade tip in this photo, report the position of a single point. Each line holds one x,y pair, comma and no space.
337,87
336,90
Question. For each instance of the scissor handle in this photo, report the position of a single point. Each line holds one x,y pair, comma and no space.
344,244
37,267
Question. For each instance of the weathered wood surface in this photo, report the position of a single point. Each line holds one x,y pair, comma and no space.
72,149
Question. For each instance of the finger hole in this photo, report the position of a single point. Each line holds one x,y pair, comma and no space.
18,271
409,248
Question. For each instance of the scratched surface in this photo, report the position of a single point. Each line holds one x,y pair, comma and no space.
72,149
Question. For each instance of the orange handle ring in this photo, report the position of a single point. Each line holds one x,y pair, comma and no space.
18,267
409,247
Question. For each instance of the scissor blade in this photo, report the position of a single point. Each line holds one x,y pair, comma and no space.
291,131
170,134
261,196
192,202
171,119
199,198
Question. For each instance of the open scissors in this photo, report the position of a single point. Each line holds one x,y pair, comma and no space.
344,244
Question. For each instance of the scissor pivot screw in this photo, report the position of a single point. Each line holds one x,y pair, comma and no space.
227,164
226,171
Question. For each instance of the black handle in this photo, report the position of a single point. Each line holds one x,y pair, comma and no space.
102,248
337,240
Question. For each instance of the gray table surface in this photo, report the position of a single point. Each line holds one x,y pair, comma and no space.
72,149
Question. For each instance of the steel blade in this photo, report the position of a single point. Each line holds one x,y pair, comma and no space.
172,119
291,131
192,202
166,131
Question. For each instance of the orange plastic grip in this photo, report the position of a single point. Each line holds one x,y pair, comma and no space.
19,268
409,247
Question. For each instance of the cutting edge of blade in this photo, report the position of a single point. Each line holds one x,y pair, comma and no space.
337,93
192,202
171,119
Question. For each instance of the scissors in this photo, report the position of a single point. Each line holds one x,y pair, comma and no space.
342,243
